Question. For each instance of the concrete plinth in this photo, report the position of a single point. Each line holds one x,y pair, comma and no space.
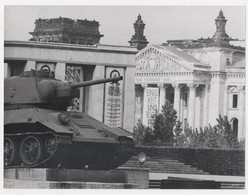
67,178
27,184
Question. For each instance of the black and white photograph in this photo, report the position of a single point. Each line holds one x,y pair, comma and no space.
124,96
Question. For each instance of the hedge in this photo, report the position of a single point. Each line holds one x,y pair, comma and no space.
214,161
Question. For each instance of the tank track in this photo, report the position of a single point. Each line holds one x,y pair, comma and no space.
37,149
126,150
32,149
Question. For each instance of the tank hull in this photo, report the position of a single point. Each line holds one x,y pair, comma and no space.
36,137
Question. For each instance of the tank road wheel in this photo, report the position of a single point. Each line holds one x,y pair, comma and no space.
31,150
10,152
50,144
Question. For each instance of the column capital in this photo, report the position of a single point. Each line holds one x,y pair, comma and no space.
228,88
160,85
137,86
176,85
192,85
240,89
207,87
144,85
243,91
166,86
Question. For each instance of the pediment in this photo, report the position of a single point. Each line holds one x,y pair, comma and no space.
151,59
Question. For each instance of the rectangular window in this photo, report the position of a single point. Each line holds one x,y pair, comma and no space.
235,101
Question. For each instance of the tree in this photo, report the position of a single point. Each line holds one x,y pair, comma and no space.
163,124
142,135
225,130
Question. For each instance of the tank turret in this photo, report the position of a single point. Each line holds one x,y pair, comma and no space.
40,132
41,89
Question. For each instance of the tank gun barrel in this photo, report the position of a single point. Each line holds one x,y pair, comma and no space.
43,90
95,82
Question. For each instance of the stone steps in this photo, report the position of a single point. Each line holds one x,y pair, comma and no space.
171,169
157,184
232,185
164,165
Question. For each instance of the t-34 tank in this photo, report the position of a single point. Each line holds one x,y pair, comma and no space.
40,132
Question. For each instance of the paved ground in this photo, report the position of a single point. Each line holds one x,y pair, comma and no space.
157,176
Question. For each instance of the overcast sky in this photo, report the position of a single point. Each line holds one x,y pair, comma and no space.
116,22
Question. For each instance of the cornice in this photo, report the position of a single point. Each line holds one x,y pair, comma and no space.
65,46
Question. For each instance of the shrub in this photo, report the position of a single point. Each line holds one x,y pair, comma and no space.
180,138
219,136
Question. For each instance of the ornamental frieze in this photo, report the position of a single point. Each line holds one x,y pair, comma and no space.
156,62
154,80
202,76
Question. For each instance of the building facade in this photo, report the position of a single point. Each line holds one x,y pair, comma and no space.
202,78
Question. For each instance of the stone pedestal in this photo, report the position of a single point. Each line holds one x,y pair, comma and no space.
36,178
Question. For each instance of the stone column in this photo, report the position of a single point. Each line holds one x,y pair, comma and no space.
81,98
144,85
6,70
96,95
206,105
177,88
138,103
244,114
129,99
162,95
226,100
199,107
165,92
30,65
191,111
241,111
60,71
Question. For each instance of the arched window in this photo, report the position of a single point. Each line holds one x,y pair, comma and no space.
235,127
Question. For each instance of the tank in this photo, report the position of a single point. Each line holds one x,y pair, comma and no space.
40,132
